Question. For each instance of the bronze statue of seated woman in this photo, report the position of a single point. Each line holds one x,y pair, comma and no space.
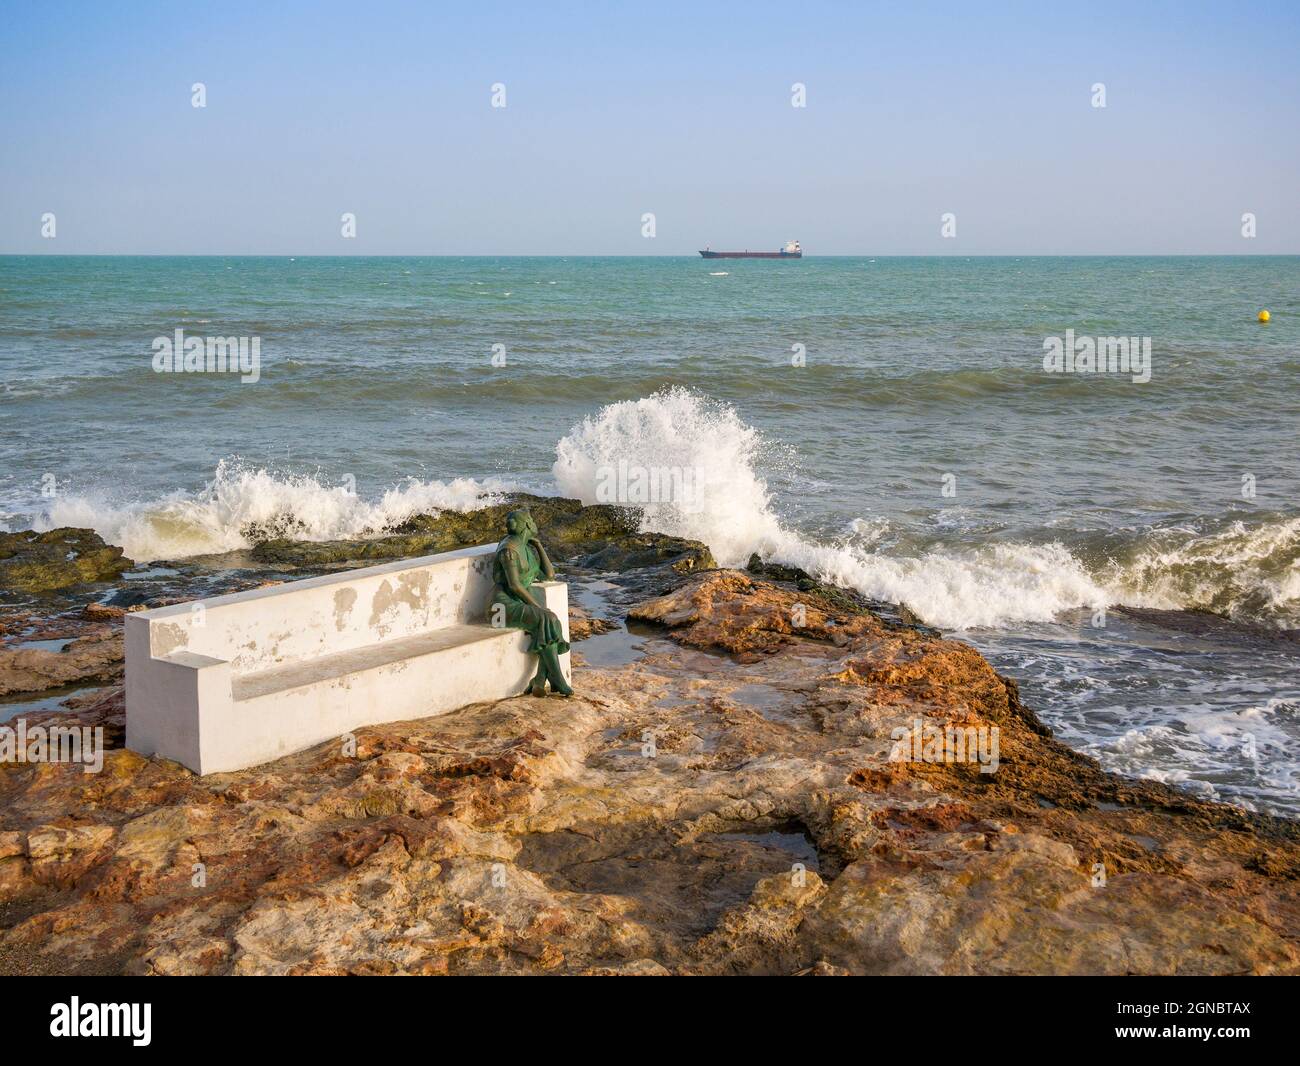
519,561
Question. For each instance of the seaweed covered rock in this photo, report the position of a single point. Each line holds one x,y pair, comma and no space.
57,559
844,599
600,536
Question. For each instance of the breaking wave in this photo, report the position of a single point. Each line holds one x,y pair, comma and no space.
241,500
1243,573
1246,572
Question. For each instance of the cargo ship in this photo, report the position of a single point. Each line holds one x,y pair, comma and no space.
790,251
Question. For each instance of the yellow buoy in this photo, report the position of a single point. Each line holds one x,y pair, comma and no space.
1264,316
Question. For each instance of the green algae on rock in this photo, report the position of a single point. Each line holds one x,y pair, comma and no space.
599,536
57,559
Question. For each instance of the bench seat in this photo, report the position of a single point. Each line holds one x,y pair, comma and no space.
358,661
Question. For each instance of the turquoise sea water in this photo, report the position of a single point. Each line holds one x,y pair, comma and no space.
922,454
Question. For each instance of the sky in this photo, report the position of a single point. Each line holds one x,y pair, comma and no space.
684,111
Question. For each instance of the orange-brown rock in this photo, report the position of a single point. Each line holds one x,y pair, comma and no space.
95,656
733,801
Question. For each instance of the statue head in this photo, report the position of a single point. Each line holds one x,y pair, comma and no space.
520,523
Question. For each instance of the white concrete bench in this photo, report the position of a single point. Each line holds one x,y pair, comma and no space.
230,682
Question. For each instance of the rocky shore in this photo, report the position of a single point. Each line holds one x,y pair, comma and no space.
736,788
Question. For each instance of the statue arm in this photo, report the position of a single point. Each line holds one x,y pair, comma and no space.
548,571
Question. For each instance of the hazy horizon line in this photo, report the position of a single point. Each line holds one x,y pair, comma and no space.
622,255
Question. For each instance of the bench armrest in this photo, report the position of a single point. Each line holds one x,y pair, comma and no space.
167,696
191,660
555,596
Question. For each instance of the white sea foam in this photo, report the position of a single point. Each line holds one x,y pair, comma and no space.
1247,573
1240,571
1195,745
216,519
677,428
954,588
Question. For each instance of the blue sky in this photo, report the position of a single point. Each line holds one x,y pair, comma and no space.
913,110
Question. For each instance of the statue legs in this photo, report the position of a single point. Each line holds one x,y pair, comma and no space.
548,669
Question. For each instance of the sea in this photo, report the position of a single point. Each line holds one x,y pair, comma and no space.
1123,542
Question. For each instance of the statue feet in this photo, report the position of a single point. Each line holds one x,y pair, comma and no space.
538,689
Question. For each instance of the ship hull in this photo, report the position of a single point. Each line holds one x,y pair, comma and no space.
752,255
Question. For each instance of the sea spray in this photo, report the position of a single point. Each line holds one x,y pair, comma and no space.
1249,573
677,429
734,515
241,500
1248,570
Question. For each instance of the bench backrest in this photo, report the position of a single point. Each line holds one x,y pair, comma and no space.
317,616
